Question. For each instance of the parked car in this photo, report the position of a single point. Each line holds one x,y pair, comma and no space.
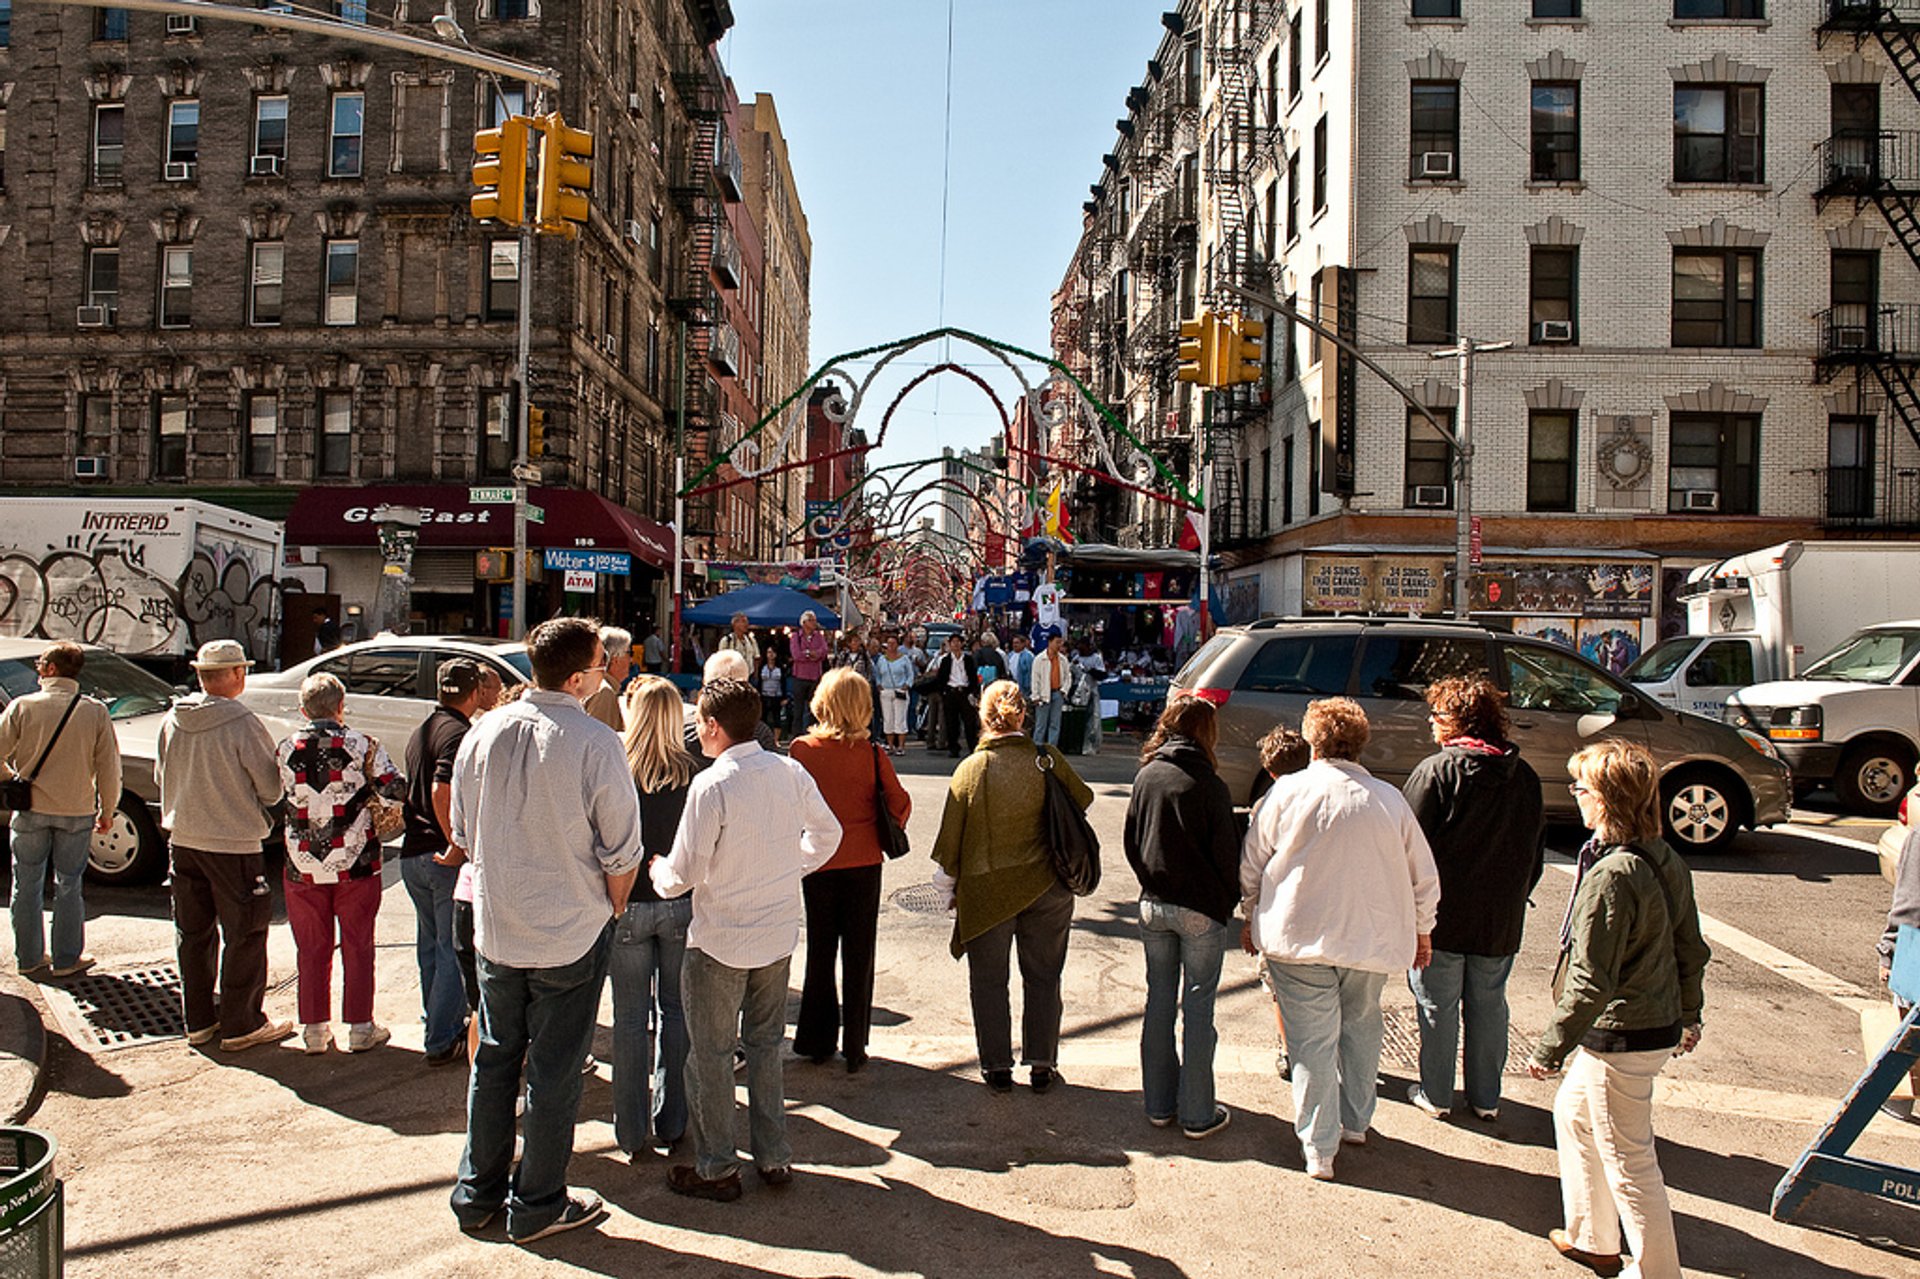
1894,837
1716,778
391,680
132,850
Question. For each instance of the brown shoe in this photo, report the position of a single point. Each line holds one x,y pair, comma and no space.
1604,1264
683,1180
780,1176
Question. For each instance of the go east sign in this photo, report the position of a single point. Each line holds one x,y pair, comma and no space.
563,559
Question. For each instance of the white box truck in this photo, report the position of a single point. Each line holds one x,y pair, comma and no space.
149,578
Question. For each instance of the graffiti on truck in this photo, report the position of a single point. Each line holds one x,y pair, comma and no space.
107,596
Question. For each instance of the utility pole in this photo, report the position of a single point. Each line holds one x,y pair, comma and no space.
1463,469
679,484
522,466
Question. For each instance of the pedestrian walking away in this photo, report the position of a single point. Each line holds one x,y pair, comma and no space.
544,805
430,865
1184,847
332,776
1629,992
755,823
218,777
1339,890
843,897
1479,805
59,744
994,867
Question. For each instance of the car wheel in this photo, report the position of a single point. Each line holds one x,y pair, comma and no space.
1873,776
131,851
1700,811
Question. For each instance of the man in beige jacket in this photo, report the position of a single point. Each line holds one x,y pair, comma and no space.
74,794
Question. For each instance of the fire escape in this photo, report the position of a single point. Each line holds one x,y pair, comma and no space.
692,296
1857,333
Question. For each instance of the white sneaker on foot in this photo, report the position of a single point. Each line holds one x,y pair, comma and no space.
1348,1137
319,1038
1418,1096
1489,1114
365,1034
1320,1169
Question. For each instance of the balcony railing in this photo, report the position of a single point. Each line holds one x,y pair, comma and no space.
1867,332
1861,163
1868,15
1867,497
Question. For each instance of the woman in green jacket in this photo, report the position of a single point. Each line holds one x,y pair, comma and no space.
993,860
1632,964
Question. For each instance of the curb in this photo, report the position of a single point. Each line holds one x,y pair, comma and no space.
23,1049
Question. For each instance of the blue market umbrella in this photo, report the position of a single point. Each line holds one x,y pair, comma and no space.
764,605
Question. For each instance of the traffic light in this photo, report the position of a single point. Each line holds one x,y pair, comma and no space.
566,175
536,433
1199,348
1243,360
501,172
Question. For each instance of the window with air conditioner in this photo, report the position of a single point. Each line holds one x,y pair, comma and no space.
1717,454
1853,293
102,284
183,140
1429,461
1552,278
96,425
269,135
1719,133
1435,129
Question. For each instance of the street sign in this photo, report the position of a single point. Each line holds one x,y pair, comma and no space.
618,563
1473,540
579,581
486,496
535,515
527,472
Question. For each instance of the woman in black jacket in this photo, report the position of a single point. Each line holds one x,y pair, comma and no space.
1479,805
1185,848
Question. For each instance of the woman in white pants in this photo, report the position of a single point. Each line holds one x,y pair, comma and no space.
1628,997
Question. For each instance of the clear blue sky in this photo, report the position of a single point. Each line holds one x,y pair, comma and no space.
861,90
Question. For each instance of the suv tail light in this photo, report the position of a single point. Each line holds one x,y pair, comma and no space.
1218,696
1905,818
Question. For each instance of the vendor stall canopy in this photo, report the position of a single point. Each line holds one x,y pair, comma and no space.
763,605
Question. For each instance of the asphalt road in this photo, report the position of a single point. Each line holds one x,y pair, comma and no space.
179,1161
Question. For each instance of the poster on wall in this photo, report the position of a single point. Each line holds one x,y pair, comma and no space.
1337,584
1609,642
1410,585
1554,630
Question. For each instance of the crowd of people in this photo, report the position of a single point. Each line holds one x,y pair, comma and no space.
683,856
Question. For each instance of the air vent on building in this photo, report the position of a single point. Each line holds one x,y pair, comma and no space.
1429,495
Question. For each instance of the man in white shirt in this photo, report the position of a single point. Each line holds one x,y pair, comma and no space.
755,823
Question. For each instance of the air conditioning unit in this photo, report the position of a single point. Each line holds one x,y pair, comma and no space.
90,467
264,166
180,170
1856,171
1849,337
1554,331
1436,164
636,233
607,343
1702,499
93,317
181,24
635,103
1429,495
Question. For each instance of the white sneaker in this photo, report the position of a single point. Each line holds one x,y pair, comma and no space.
1320,1169
1418,1096
364,1035
319,1038
1490,1114
1348,1137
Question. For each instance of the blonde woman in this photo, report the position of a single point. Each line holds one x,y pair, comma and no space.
650,940
992,857
843,896
1630,991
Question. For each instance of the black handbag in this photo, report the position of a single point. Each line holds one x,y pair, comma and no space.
1070,839
893,836
16,792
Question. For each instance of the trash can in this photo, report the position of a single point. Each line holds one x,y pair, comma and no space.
32,1226
1073,729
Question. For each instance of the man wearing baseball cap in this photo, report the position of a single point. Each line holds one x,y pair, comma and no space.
218,777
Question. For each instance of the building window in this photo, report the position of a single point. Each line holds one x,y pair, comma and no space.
352,10
6,23
1286,480
270,127
1436,8
503,279
342,302
170,437
1552,287
1556,8
183,138
508,99
3,138
349,121
1316,300
103,279
336,433
1322,37
1429,461
263,433
1293,197
1550,450
1710,9
1320,164
1850,468
1430,291
1714,463
1290,364
653,356
511,10
1716,298
265,286
110,24
1266,490
1293,61
176,286
1556,132
1718,133
1435,133
497,430
109,142
1853,291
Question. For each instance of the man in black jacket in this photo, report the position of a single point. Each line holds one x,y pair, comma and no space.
1479,805
950,678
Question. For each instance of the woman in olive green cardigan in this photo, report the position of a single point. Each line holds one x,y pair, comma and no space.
993,860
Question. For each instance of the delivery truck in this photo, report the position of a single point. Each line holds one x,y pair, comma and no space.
149,578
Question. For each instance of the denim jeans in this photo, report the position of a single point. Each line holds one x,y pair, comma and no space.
1334,1028
38,838
718,999
1453,986
1046,720
443,1002
649,1024
544,1016
1184,949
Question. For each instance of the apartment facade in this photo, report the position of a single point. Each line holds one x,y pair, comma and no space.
786,320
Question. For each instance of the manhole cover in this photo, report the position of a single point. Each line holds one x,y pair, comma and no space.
921,899
1401,1043
102,1011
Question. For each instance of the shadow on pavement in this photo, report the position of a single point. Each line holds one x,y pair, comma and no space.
79,1074
368,1088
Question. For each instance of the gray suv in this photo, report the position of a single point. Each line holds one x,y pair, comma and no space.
1716,778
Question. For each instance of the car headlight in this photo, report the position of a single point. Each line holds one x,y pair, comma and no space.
1759,743
1795,724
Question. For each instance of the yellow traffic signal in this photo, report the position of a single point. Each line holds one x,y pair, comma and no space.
536,433
566,175
1243,360
501,173
1199,348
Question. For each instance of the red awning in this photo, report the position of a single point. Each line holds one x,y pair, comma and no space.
344,516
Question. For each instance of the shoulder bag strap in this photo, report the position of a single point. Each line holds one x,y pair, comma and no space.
58,729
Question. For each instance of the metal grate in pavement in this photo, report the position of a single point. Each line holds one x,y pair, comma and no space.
1401,1044
920,899
103,1011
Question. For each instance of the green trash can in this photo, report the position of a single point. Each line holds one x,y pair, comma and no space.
32,1216
1073,729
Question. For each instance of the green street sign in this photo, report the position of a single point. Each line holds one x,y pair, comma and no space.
488,496
535,515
